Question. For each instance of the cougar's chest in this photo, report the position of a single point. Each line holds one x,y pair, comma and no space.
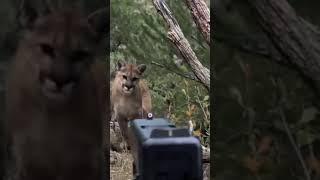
129,107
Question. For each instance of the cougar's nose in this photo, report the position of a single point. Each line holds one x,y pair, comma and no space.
128,85
60,74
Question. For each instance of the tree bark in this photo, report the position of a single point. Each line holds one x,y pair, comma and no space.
177,37
201,16
296,39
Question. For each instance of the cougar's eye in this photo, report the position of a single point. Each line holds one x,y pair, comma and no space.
47,49
134,79
124,77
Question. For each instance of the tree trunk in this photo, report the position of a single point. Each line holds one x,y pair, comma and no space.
201,16
296,39
177,37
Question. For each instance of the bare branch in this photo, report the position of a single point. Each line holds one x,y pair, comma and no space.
98,11
295,146
177,37
187,76
252,44
201,16
280,101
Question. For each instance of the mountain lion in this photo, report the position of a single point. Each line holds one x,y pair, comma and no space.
130,96
56,98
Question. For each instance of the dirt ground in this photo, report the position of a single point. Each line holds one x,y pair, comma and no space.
120,166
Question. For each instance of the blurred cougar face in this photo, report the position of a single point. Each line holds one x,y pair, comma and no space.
63,48
128,76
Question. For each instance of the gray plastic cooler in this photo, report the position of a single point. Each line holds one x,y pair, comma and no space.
165,152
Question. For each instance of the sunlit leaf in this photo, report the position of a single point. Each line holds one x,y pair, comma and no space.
206,98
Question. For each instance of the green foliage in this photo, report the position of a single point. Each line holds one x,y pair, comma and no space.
138,35
257,99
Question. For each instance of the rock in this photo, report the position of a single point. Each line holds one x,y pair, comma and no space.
116,140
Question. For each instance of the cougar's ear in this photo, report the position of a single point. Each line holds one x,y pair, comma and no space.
142,68
30,10
99,20
120,64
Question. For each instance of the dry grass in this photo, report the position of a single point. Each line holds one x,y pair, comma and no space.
120,166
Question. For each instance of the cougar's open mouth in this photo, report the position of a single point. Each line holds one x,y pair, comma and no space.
126,90
56,91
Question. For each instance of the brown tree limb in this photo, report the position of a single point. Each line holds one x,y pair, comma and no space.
296,39
177,37
201,16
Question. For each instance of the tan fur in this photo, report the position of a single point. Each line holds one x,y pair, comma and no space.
133,105
57,135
